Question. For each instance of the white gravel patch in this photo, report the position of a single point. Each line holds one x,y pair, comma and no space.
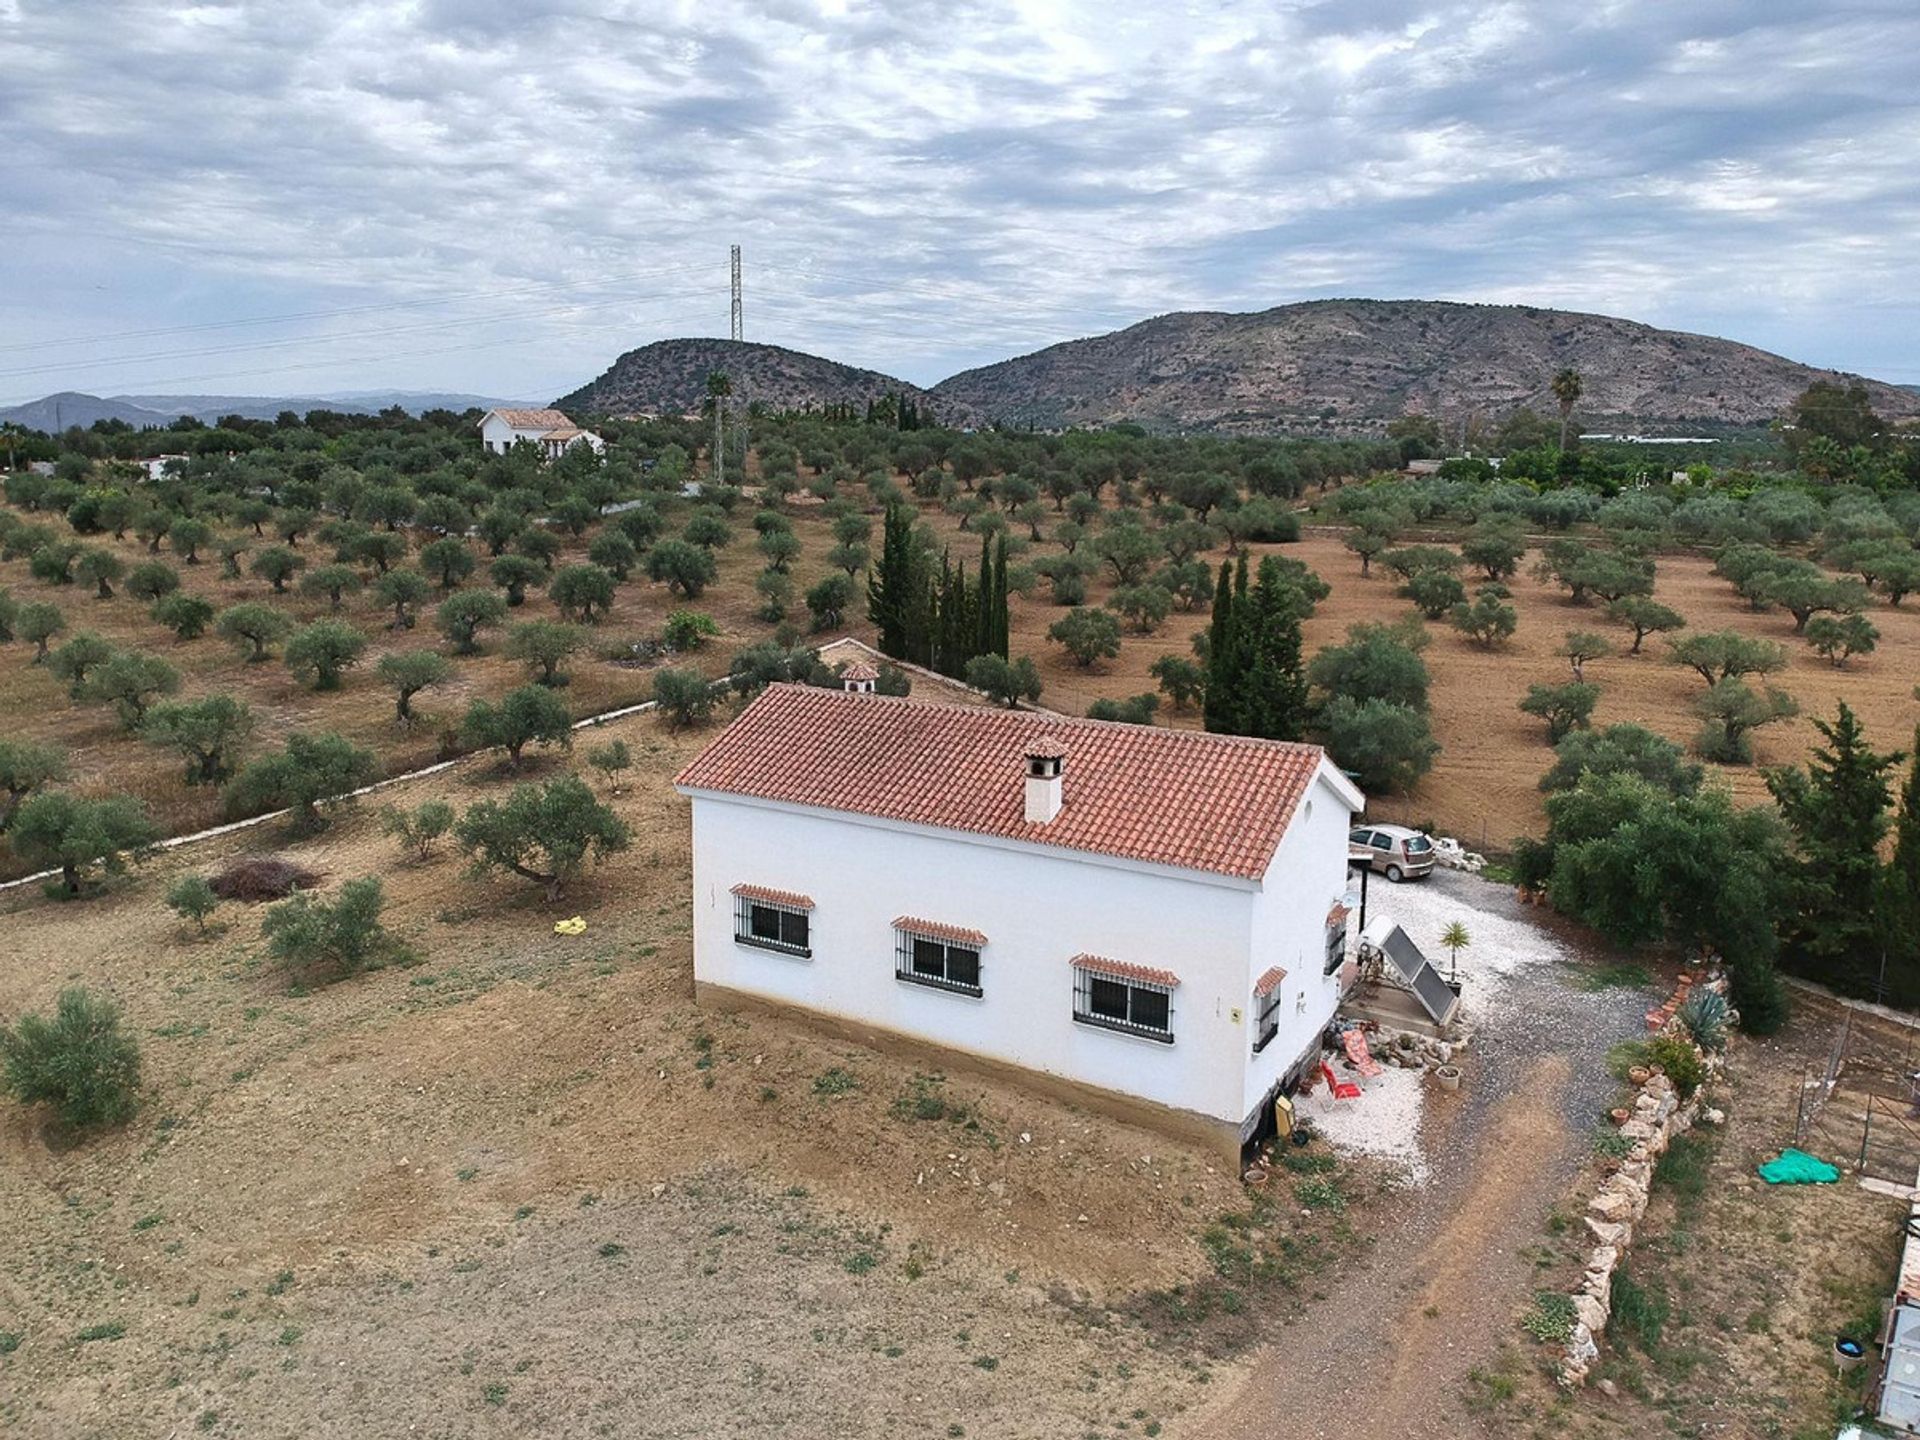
1383,1123
1500,947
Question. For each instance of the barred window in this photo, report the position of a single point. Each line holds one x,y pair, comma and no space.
1336,946
1125,1002
771,924
1267,1025
939,956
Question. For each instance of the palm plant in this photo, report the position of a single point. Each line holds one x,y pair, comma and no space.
1456,939
1705,1016
1566,389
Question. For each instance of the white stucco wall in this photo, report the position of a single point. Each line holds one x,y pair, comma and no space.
495,433
1038,908
1305,880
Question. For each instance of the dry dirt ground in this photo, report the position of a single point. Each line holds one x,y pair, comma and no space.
526,1186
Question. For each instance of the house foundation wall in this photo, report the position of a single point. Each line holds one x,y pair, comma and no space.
1221,1139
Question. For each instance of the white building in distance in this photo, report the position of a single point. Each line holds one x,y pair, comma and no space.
1147,919
551,430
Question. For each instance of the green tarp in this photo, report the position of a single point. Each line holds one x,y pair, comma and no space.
1796,1167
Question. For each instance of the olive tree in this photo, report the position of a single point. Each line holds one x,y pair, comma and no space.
545,833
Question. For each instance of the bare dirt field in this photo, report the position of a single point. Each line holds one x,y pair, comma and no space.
526,1186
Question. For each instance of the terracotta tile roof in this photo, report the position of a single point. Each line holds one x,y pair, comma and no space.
1336,915
790,899
934,930
1121,970
1217,803
859,670
535,419
1269,982
1047,747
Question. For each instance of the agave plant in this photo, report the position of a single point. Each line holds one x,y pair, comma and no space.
1705,1016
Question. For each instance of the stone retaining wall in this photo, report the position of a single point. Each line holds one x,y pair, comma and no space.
1659,1114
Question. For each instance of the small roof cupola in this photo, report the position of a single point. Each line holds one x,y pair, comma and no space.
859,678
1045,765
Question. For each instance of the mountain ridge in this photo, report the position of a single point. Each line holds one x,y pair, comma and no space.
669,377
1357,364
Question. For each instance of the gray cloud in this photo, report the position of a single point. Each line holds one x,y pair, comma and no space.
922,186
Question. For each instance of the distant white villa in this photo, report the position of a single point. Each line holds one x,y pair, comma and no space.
551,430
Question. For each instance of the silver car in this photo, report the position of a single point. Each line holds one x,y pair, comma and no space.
1394,851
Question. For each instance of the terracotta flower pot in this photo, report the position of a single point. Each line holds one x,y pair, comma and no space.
1639,1075
1620,1116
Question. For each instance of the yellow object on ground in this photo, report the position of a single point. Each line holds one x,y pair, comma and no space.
574,926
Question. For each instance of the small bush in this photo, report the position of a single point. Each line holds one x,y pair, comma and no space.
192,898
1551,1319
330,940
835,1082
417,829
1705,1016
262,877
1679,1060
1638,1313
81,1061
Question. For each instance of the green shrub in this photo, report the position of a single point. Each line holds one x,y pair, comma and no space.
1551,1319
335,939
192,898
81,1061
1679,1060
1639,1313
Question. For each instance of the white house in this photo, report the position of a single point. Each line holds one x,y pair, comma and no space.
1148,918
551,430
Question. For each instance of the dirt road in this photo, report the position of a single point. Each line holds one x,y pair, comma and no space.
1390,1352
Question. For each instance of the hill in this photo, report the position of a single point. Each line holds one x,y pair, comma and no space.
268,407
1355,364
669,377
55,413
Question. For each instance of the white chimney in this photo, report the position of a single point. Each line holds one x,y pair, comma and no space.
859,678
1045,759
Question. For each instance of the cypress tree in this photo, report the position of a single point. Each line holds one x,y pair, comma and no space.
1224,711
891,586
1273,688
1002,622
985,628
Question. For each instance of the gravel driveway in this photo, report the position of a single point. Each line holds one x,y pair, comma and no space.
1392,1347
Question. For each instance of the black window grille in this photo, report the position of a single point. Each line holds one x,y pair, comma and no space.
1133,1007
928,960
768,926
1336,947
1267,1017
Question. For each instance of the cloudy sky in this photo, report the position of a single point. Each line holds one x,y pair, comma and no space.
309,196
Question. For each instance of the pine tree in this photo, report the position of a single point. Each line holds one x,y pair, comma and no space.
1272,684
1898,912
1836,810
